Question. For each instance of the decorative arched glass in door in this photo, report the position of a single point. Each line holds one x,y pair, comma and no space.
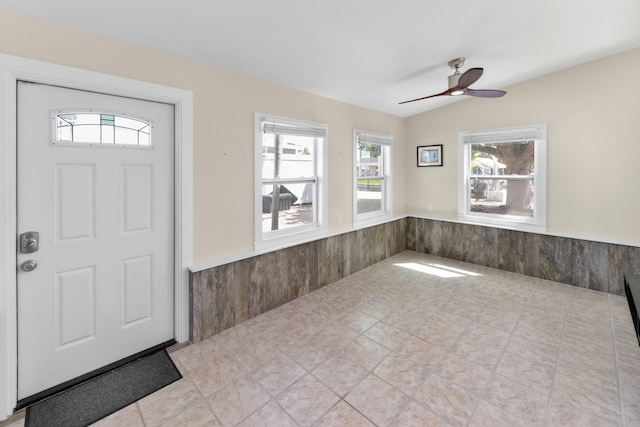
106,129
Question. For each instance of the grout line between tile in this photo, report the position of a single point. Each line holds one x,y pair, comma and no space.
615,361
555,369
493,373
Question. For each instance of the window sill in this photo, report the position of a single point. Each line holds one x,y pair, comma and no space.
365,220
508,223
289,239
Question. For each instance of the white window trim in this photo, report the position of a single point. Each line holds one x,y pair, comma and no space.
283,238
386,141
539,221
12,69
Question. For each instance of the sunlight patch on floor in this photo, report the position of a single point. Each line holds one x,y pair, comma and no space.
438,270
457,270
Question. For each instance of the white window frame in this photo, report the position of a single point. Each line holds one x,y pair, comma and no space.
386,142
302,233
538,133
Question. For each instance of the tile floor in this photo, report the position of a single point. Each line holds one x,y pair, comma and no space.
415,340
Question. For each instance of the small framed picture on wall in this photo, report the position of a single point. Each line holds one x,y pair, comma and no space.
430,155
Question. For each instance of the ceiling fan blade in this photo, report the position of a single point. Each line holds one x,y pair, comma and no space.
446,92
470,77
485,93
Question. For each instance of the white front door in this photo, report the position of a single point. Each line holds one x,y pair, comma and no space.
96,182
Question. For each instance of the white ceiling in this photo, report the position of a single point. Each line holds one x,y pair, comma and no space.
372,53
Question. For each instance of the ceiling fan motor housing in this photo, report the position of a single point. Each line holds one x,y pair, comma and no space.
453,79
455,64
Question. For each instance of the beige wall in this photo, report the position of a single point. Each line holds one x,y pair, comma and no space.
224,104
592,113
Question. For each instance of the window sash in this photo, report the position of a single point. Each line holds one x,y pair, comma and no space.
383,192
380,163
378,176
530,177
509,177
536,134
371,177
284,181
282,127
382,173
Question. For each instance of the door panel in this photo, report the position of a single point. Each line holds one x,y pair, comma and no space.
103,286
137,194
137,289
74,306
74,197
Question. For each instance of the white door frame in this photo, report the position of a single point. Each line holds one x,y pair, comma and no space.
14,68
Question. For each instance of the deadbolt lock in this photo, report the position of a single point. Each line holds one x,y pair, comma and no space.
29,242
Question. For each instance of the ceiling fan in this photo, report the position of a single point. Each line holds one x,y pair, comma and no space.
459,83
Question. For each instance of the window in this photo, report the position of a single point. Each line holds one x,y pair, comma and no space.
89,128
289,170
502,177
372,156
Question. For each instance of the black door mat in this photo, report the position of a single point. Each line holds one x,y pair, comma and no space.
93,400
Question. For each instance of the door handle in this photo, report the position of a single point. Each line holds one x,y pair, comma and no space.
29,265
29,242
